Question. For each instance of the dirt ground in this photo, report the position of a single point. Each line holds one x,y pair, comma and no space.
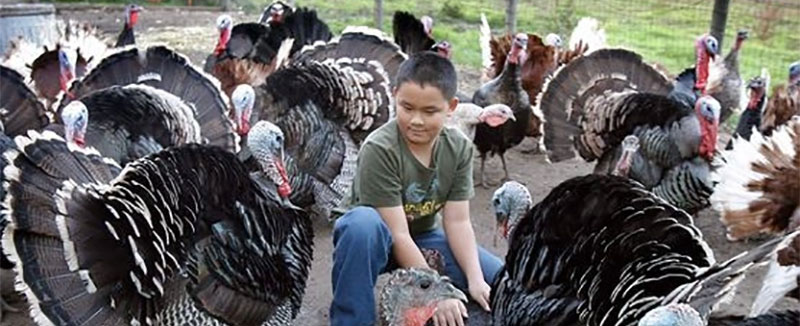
193,34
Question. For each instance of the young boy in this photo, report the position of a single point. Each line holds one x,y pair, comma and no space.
409,170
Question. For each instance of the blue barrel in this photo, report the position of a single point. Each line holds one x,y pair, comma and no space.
36,23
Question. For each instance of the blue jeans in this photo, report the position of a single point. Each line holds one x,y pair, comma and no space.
362,248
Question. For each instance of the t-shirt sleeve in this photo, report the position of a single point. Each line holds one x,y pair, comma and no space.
463,189
379,177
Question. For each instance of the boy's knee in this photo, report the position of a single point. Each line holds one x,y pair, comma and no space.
359,220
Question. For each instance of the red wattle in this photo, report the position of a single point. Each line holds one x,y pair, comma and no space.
244,127
133,19
224,37
284,189
753,103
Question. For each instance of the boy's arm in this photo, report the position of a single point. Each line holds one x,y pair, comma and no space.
405,250
461,238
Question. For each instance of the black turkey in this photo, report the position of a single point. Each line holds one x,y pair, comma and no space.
751,116
326,108
184,236
602,250
162,68
126,36
275,13
125,123
596,101
506,89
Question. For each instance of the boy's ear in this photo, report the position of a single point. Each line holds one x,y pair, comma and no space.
453,103
394,91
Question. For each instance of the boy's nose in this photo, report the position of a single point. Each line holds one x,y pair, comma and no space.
416,120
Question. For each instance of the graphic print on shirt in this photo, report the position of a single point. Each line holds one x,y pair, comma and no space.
419,201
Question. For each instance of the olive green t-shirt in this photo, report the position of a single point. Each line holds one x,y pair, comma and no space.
389,175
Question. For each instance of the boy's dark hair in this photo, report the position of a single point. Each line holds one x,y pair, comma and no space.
429,69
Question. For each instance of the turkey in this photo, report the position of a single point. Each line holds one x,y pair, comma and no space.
410,296
126,36
125,123
602,250
411,34
587,33
510,203
784,102
724,82
326,109
216,246
506,88
467,116
275,13
357,42
541,59
751,117
21,112
593,103
52,67
162,68
248,52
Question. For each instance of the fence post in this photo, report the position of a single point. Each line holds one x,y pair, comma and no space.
511,16
719,18
379,14
226,5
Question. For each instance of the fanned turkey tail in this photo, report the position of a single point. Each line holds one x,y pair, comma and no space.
357,42
21,109
163,68
567,97
409,33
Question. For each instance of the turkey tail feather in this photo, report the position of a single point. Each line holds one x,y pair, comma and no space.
565,101
409,33
486,50
759,188
357,42
163,68
306,28
39,177
21,109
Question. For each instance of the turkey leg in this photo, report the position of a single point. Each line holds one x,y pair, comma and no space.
505,169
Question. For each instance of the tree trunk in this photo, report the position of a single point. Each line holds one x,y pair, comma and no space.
719,18
511,16
226,5
379,14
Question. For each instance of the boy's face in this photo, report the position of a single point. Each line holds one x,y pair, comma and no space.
422,112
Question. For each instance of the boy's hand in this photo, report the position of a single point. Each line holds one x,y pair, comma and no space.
450,312
480,291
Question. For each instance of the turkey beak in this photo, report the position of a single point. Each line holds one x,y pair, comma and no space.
448,291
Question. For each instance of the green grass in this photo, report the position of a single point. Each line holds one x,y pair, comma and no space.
662,31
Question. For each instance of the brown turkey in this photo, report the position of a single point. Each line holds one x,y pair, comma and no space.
598,100
247,53
51,67
506,89
783,103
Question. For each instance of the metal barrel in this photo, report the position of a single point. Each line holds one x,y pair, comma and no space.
36,23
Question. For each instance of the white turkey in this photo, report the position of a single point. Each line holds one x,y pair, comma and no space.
21,111
248,52
467,116
602,250
184,236
325,110
50,68
784,102
596,101
164,69
126,36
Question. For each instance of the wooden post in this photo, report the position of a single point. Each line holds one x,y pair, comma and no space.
226,5
511,16
719,17
379,14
